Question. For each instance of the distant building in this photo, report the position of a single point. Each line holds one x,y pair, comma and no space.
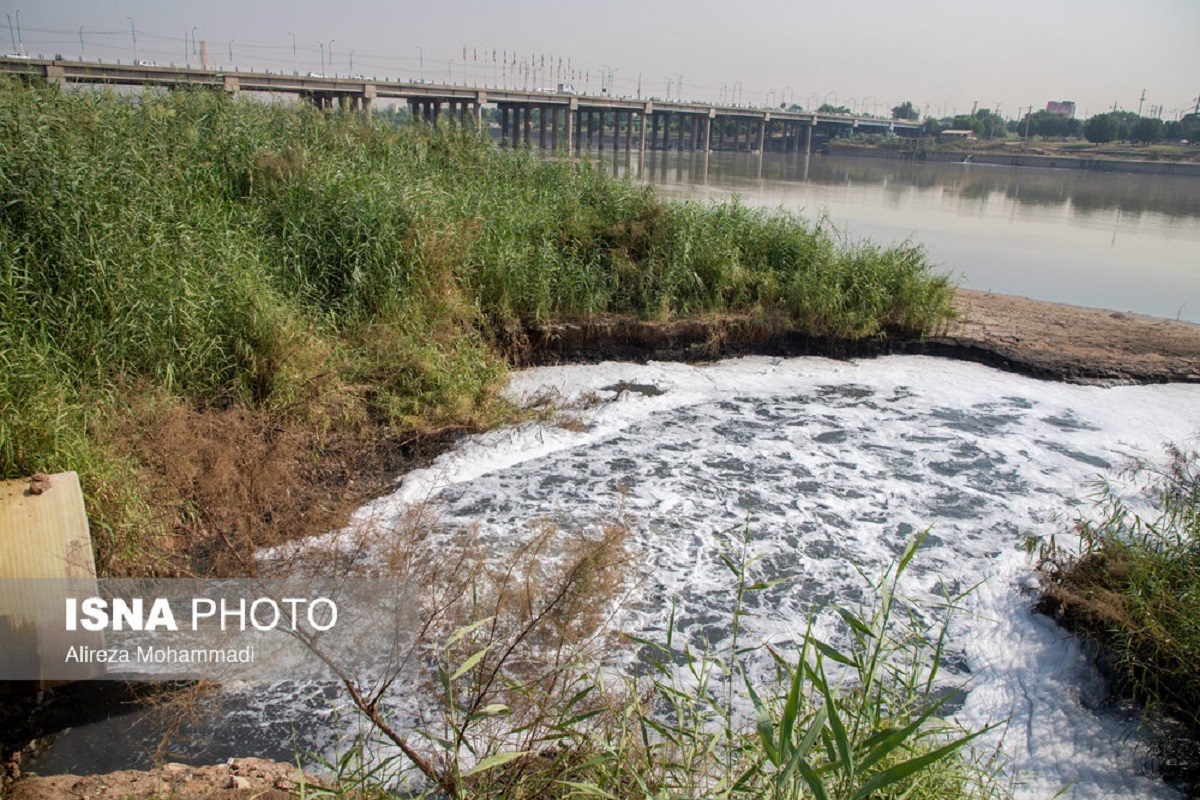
1064,108
952,135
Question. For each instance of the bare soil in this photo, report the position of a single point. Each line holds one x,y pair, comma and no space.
240,778
1075,344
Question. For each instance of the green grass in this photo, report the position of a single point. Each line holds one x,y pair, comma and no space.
1133,587
337,271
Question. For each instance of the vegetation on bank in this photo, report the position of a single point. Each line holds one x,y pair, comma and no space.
1133,588
309,276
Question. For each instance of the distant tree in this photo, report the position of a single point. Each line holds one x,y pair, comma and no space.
933,126
905,111
993,124
826,108
967,122
1147,130
1102,128
1186,129
1050,125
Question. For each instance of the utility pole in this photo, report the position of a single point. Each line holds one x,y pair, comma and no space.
1141,101
293,50
640,86
20,41
132,30
81,50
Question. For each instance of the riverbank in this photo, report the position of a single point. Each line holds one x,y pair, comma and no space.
1043,158
1045,340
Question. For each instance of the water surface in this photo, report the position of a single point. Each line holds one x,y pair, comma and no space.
1106,240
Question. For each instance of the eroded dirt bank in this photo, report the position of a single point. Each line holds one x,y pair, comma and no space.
1031,337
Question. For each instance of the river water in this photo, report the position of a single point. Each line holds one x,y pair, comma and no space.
1107,240
830,467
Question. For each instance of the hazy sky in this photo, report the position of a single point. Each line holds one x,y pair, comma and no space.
944,55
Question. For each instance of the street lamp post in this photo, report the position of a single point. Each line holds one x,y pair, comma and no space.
331,41
81,51
351,63
20,41
231,52
420,58
293,51
194,27
322,46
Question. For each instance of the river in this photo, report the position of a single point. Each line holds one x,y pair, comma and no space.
1107,240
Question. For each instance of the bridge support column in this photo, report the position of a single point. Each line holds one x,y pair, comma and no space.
541,127
679,119
579,130
555,121
762,133
231,85
708,120
528,123
808,137
628,131
503,126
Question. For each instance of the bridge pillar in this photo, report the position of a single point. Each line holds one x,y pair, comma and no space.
528,123
541,127
762,133
679,118
808,137
231,85
708,120
695,133
628,131
56,74
367,98
503,126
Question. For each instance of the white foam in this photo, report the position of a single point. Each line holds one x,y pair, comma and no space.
830,463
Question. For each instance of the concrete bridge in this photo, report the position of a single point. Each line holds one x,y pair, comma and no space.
562,119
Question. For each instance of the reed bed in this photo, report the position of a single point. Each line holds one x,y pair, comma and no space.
341,273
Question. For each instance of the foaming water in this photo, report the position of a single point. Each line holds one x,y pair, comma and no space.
830,467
